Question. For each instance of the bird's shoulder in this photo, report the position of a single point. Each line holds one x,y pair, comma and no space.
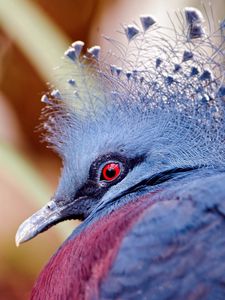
176,247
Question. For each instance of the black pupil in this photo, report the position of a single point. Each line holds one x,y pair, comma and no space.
110,173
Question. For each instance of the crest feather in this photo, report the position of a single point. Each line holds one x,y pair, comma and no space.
156,71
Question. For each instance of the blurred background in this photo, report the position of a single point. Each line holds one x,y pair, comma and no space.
33,36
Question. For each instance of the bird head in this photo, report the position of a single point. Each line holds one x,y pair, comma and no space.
124,127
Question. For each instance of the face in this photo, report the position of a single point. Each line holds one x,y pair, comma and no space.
107,164
104,173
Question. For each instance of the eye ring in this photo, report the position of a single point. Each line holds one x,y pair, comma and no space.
110,171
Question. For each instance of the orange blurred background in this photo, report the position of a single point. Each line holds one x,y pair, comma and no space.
28,170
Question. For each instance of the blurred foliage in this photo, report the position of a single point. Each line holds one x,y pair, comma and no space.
38,38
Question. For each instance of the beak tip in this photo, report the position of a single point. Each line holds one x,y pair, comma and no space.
24,233
17,243
18,238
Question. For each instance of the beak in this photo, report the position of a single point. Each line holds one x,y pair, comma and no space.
46,217
53,212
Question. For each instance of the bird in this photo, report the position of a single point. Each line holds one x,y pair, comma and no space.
141,133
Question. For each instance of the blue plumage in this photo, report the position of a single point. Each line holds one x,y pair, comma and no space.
176,249
141,134
163,98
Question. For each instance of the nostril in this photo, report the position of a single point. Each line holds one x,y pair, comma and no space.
51,205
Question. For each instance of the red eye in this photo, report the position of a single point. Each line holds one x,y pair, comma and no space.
110,171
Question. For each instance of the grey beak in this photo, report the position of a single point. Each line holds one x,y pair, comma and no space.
46,217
